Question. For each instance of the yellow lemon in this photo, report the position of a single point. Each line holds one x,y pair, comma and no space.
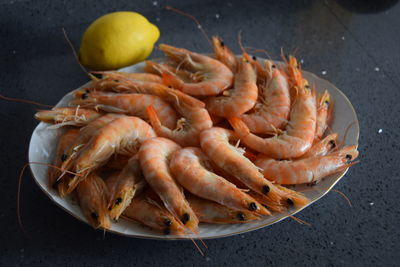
117,40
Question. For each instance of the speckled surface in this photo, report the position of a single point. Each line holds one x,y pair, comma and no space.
358,48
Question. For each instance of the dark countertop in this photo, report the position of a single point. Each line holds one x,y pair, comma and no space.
357,46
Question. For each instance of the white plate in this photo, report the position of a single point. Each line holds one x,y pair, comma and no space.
43,143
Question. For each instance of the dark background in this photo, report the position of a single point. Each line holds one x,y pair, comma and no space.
355,42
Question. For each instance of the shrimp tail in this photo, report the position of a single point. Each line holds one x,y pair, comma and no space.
239,126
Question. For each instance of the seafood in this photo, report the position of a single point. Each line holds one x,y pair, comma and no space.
189,166
224,54
216,77
65,141
212,212
273,107
121,136
147,212
130,104
92,196
322,147
241,98
306,170
115,75
124,186
154,155
299,133
64,116
324,114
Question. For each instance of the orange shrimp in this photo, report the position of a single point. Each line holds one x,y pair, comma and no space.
154,155
149,213
92,195
216,77
115,75
322,147
324,114
121,136
190,168
65,141
241,98
130,104
273,109
74,116
124,186
306,170
224,54
299,132
212,212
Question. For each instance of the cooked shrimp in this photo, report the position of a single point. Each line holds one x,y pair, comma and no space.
189,166
299,133
322,147
324,113
92,196
215,143
241,98
121,136
65,141
154,155
124,186
212,212
216,77
74,116
117,162
224,54
273,107
130,104
115,75
306,170
147,212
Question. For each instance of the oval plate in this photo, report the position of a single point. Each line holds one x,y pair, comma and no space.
43,143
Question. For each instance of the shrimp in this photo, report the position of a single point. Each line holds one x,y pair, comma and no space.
307,170
147,212
124,186
299,132
121,136
324,114
188,128
273,109
215,143
189,166
92,195
216,77
65,141
322,147
64,116
241,98
117,162
224,54
130,104
115,75
154,155
212,212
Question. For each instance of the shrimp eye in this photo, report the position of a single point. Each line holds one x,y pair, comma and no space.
110,208
349,157
222,43
241,216
116,81
64,157
87,91
167,231
290,201
253,206
265,189
332,143
94,215
265,206
185,218
327,102
254,58
273,66
307,86
84,96
118,201
167,222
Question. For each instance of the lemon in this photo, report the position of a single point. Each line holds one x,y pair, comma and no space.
117,40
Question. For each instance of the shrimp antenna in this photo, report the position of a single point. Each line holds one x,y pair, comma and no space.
91,76
19,190
300,221
344,196
24,101
259,50
192,18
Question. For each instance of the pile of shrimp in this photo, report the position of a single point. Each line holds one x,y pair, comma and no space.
196,138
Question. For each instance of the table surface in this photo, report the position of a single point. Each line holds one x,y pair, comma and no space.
355,46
